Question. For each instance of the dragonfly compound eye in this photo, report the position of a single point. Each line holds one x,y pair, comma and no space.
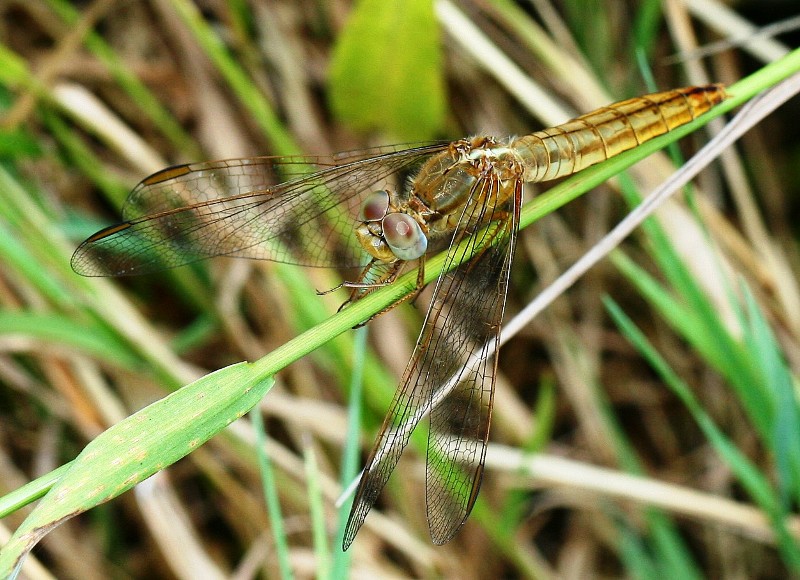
404,236
375,206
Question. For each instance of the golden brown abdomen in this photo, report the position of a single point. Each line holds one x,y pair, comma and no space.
610,130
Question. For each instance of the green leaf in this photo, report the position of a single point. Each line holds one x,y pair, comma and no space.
137,447
386,70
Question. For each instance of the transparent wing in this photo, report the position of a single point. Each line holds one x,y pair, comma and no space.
296,210
465,335
195,183
463,320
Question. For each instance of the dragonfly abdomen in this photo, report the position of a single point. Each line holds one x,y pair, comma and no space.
610,130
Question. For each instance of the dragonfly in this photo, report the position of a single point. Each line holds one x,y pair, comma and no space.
379,210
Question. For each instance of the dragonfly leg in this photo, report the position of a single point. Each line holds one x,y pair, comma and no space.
410,296
370,279
361,289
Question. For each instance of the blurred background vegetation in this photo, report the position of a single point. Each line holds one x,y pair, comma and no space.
646,424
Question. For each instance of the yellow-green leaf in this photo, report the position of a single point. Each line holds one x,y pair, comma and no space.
386,70
137,447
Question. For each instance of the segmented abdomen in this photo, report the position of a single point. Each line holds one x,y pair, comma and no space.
610,130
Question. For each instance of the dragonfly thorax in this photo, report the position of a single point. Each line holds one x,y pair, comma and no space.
388,233
480,170
448,180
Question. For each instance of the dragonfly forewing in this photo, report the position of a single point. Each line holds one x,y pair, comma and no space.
236,208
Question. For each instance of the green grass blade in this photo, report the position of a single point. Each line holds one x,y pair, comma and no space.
58,329
317,508
137,447
780,402
697,322
140,95
633,553
271,496
251,98
756,484
31,491
340,567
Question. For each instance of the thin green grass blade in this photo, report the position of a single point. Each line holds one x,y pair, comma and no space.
140,95
633,553
14,71
590,23
656,552
272,496
647,21
698,323
94,340
748,474
781,407
340,567
31,491
200,331
516,504
250,96
317,509
505,543
18,257
671,554
84,159
663,547
18,143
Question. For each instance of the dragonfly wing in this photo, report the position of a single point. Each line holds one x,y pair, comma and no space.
452,332
236,208
465,330
405,412
184,185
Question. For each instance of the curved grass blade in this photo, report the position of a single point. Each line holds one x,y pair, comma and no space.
136,448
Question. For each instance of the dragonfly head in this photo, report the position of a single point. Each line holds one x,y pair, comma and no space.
389,235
